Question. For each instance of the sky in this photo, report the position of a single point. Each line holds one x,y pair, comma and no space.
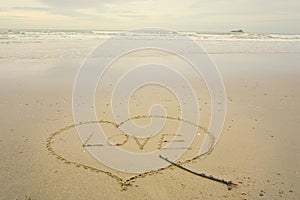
262,16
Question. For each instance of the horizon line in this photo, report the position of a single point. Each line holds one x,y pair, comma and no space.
123,30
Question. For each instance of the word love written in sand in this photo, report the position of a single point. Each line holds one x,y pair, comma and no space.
122,139
64,146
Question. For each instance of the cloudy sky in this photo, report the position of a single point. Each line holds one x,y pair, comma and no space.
276,16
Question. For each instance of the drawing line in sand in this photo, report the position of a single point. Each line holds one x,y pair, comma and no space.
229,184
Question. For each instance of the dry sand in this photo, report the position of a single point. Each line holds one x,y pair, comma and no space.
258,148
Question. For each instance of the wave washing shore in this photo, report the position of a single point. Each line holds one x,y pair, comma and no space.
9,35
40,44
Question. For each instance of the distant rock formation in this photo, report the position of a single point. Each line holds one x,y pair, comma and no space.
237,31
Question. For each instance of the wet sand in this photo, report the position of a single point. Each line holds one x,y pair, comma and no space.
258,148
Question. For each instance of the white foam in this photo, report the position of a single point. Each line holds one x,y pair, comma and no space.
21,35
44,44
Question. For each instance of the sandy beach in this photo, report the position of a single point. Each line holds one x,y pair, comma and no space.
42,156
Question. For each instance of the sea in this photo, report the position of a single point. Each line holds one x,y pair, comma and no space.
42,43
10,35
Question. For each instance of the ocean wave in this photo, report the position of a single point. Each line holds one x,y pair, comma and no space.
20,35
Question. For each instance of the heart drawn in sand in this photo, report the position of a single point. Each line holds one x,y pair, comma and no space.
124,182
